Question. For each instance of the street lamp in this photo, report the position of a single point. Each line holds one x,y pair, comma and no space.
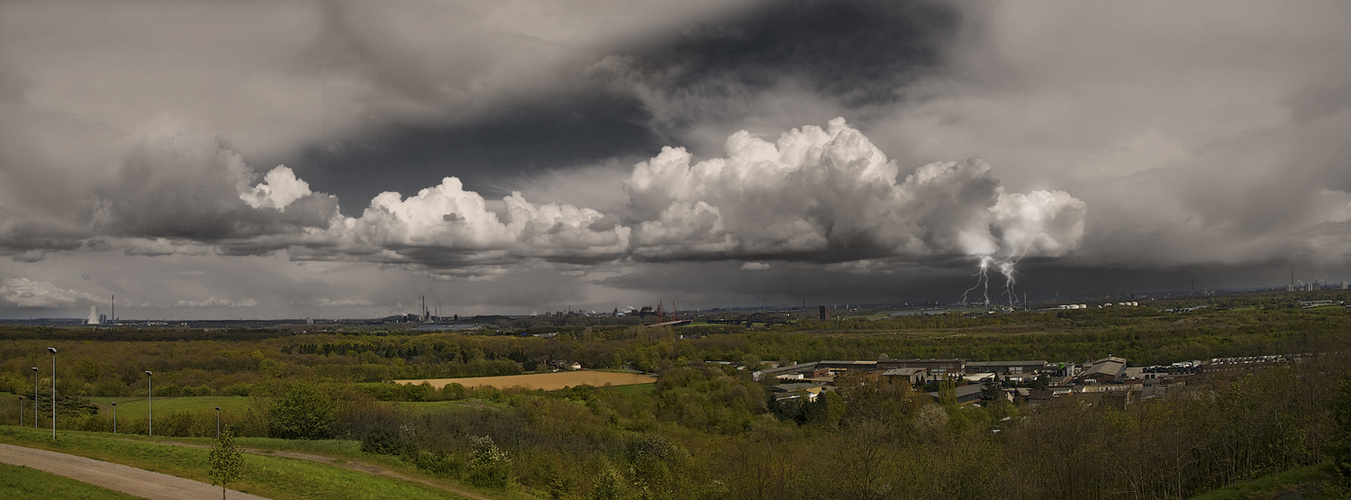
217,422
35,397
53,350
149,403
114,417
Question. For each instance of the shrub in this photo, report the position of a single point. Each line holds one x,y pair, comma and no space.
489,466
387,441
440,463
609,485
304,412
201,390
168,391
237,390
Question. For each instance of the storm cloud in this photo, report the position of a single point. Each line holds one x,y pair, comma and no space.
519,155
816,194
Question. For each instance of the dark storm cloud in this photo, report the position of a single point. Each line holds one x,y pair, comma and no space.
525,138
30,242
721,284
182,186
1207,135
1201,137
858,52
863,52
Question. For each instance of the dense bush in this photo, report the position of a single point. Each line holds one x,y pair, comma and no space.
305,411
489,466
1341,452
387,441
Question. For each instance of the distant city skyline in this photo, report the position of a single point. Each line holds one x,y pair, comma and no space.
341,159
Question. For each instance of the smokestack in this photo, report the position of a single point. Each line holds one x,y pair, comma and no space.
113,306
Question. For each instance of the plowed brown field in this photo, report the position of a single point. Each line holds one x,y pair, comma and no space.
545,381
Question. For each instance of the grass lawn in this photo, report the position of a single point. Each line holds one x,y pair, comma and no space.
22,482
272,477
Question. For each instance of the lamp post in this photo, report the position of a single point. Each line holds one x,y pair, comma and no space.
53,351
35,397
149,403
114,417
217,422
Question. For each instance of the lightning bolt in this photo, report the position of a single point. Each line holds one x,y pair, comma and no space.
982,280
1006,267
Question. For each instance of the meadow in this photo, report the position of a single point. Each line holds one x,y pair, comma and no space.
542,381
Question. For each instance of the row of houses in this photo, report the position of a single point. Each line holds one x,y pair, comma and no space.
1108,378
830,368
918,370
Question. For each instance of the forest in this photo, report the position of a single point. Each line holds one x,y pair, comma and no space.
709,430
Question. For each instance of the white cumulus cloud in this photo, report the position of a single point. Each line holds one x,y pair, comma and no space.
830,194
27,293
279,188
816,194
449,218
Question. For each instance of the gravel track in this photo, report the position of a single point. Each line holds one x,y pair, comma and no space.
117,477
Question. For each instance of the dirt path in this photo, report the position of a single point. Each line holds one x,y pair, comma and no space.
129,480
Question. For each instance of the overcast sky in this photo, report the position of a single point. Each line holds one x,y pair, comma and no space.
264,159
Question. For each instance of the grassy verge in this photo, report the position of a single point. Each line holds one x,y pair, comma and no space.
272,477
23,482
1304,482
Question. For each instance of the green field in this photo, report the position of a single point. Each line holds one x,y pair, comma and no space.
23,482
272,477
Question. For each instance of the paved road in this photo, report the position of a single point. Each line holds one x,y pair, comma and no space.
130,480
